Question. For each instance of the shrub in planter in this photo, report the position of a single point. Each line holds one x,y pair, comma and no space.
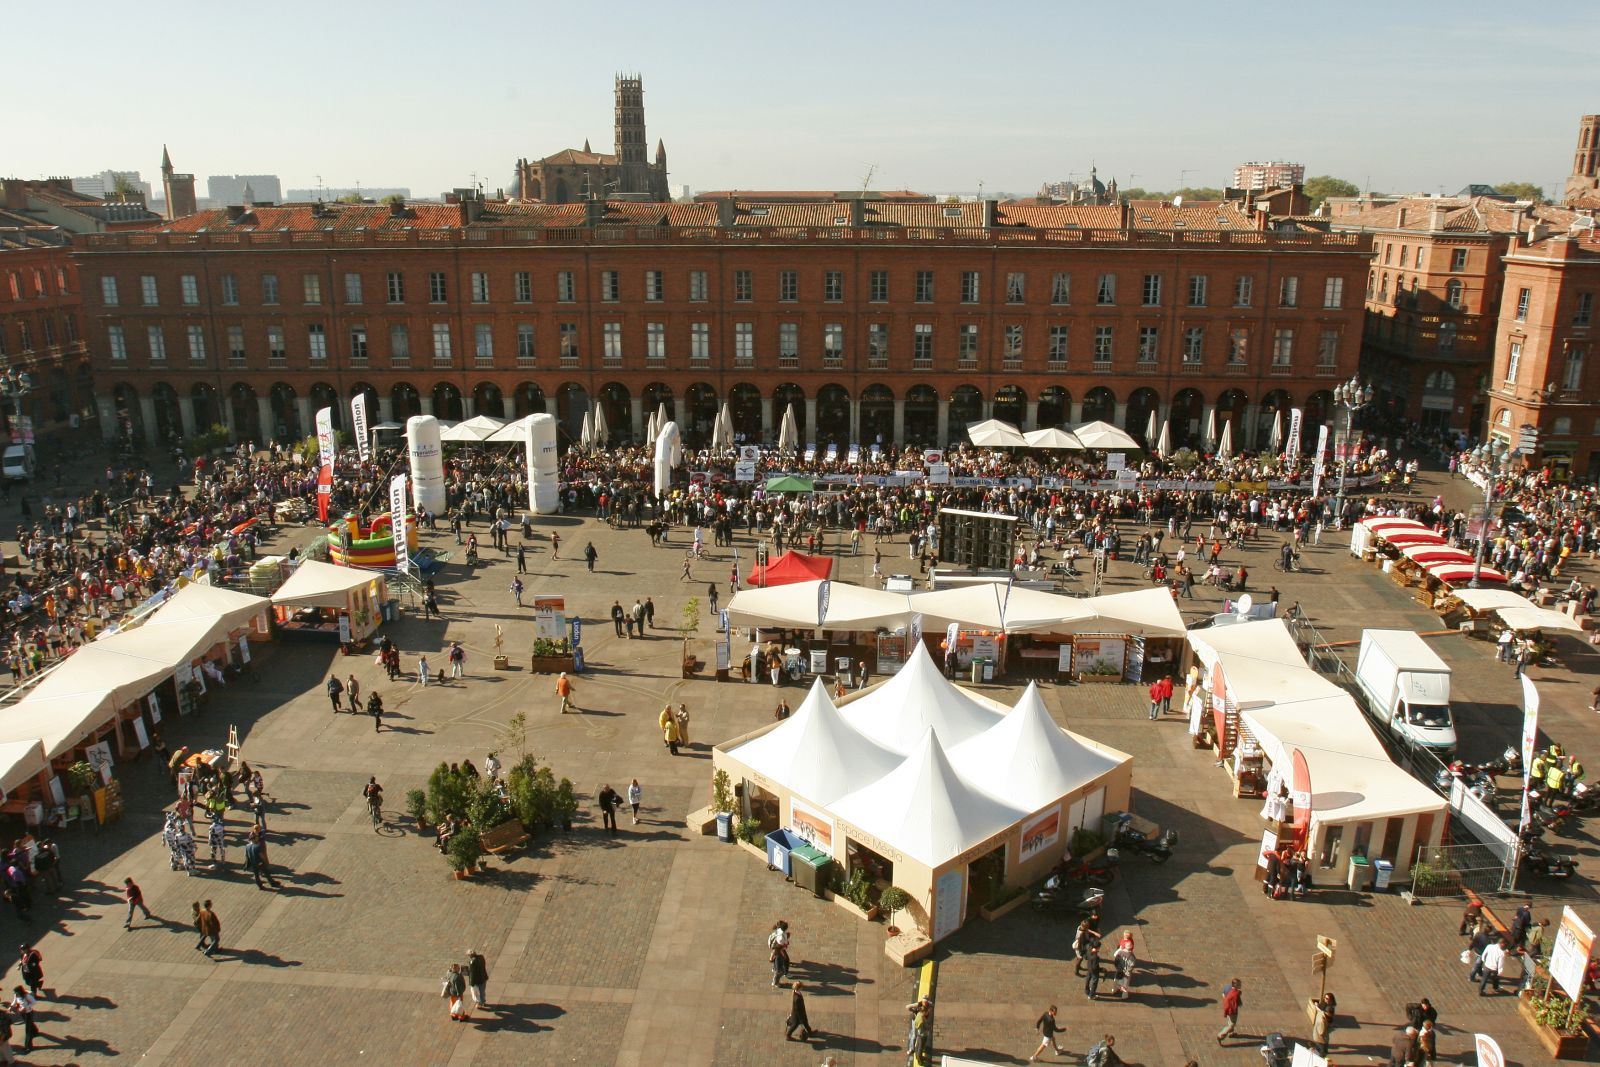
893,900
721,792
485,809
533,792
465,849
1084,841
1555,1011
566,804
858,889
82,777
749,831
417,806
448,793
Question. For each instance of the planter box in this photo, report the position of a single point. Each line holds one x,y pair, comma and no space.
845,903
1560,1046
757,852
552,664
991,914
1089,679
502,663
703,820
908,948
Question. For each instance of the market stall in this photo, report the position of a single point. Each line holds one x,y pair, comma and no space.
788,569
833,620
321,600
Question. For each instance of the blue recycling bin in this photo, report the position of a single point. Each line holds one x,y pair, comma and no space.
780,843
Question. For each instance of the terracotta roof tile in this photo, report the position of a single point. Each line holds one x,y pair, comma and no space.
340,218
579,158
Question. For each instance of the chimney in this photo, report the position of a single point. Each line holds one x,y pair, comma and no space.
1519,218
858,212
1124,216
594,212
1435,218
397,208
16,195
991,212
235,212
470,207
728,212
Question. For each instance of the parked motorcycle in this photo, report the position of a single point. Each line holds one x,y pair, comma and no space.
1541,861
1550,812
1159,849
1056,897
1096,872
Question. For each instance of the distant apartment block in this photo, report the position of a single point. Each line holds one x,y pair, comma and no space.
104,184
228,190
1259,176
331,193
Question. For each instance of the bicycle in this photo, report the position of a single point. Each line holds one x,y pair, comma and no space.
1291,566
375,810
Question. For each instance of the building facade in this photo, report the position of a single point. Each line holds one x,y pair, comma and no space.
1583,185
625,173
879,322
226,190
1259,176
45,372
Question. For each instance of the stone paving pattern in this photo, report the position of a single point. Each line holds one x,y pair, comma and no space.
649,947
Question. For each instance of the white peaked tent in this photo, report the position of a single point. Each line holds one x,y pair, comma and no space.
1104,437
1053,437
993,433
318,584
794,606
987,605
816,753
1029,761
925,808
476,429
1147,612
897,712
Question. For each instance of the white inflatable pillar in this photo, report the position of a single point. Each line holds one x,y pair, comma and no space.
544,481
669,453
427,463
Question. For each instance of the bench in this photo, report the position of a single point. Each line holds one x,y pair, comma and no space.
506,837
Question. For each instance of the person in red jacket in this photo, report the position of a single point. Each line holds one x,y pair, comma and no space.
1232,1001
1166,693
1155,699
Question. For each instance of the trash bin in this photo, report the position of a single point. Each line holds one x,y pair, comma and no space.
810,869
780,849
1360,875
1383,870
977,669
724,826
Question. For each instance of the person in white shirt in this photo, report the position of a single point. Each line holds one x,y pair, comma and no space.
1494,958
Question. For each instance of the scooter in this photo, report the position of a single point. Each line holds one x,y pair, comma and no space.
1058,898
1159,850
1541,861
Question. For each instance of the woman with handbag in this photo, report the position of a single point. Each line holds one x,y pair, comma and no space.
455,987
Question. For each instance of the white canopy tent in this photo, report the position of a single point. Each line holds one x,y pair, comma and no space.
850,607
475,430
227,609
1053,437
1027,760
20,762
1491,599
993,433
995,606
1104,437
898,711
1149,612
816,753
322,585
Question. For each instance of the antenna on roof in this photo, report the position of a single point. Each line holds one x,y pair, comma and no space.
866,179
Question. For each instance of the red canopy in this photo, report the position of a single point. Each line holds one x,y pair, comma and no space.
791,567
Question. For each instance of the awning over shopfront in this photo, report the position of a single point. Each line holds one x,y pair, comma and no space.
20,761
795,606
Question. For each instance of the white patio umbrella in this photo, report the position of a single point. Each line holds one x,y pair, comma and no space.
602,432
1104,437
994,433
1225,446
725,416
1211,426
1277,429
789,431
662,418
1164,442
718,440
1150,428
586,434
1053,437
651,429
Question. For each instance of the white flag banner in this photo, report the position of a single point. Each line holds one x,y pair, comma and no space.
325,436
1322,442
1291,443
358,419
399,523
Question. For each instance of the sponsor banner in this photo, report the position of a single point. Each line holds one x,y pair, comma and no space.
325,438
1040,832
1291,442
812,825
400,522
358,420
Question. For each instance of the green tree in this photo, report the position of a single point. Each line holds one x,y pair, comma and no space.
1520,190
394,198
1323,186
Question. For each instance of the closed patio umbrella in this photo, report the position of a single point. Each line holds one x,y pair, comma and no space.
726,415
1150,428
1164,442
602,432
1277,429
1225,446
1211,426
789,431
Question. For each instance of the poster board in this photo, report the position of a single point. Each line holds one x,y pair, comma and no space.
1064,658
949,903
1569,956
140,734
99,757
812,825
891,653
1040,832
819,660
1133,670
1100,655
724,655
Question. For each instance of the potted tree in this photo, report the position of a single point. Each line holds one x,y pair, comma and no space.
552,656
417,807
566,805
464,851
688,624
893,900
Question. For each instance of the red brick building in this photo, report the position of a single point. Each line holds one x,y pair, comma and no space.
878,320
44,364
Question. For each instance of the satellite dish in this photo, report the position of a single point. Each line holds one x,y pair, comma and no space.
1177,201
1243,605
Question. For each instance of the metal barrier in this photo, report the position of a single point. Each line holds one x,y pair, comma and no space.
1445,870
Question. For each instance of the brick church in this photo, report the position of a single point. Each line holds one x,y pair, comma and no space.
573,175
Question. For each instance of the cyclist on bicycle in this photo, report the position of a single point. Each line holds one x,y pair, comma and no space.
374,794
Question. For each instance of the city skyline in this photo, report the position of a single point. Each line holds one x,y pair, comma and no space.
828,107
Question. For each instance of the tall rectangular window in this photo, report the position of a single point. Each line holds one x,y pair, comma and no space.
108,290
569,342
396,283
526,354
1513,362
877,344
441,342
699,342
1058,345
878,287
566,286
1106,292
230,289
158,343
1333,293
311,286
358,345
269,288
788,343
1016,287
1458,259
1013,350
480,287
967,342
833,286
924,287
1328,349
352,288
189,289
655,342
1149,342
611,338
744,286
1152,290
699,289
1583,310
1061,288
833,343
1572,377
236,352
399,344
1197,290
437,292
1238,346
654,290
1103,336
148,294
277,347
969,287
1194,344
788,286
610,286
482,343
1524,298
1289,291
317,343
1282,346
522,286
197,343
922,344
744,343
1244,290
117,342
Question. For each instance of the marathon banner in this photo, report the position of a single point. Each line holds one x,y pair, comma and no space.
399,523
358,419
1291,443
1322,442
325,438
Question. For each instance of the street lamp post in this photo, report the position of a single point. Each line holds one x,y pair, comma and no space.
1349,396
1492,454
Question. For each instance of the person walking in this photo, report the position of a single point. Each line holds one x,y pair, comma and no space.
555,546
458,660
422,671
22,1005
522,561
455,988
478,978
1403,1048
797,1016
778,951
711,597
32,965
335,691
590,555
635,796
1232,1001
258,810
683,725
1104,1054
352,693
1091,970
1493,959
650,613
516,585
668,721
1124,961
210,929
1155,699
255,861
135,899
618,615
608,808
1048,1028
375,709
564,691
1427,1042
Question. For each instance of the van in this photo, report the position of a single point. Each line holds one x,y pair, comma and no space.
18,464
1408,687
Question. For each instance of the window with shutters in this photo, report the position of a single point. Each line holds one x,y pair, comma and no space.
358,346
744,344
1333,293
566,286
969,287
788,286
1103,336
698,287
699,342
744,286
437,292
655,342
480,287
833,286
611,342
1016,287
1152,290
236,352
1238,346
654,288
352,288
148,295
1282,346
396,284
1289,291
878,344
269,288
922,344
522,286
833,344
1194,344
1061,288
526,353
878,287
311,288
1244,290
924,291
966,345
610,286
1058,346
1328,349
108,291
1149,343
1197,290
788,344
569,344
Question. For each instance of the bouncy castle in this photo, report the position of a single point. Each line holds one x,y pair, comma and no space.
349,545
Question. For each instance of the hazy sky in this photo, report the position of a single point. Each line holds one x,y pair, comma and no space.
939,96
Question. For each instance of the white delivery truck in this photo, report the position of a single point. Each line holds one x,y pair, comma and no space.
1408,685
18,464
